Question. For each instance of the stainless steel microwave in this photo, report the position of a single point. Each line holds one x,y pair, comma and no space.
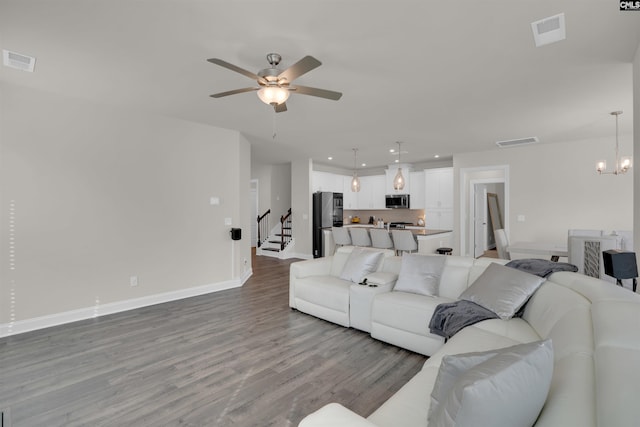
397,201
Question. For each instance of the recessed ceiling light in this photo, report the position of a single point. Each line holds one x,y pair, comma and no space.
329,158
397,161
437,156
364,164
392,150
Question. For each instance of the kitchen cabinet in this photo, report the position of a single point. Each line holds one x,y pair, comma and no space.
438,203
438,188
438,219
349,198
371,195
417,194
325,181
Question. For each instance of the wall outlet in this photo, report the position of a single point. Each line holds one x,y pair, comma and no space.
520,218
133,281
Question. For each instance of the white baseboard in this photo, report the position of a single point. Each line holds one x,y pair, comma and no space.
22,326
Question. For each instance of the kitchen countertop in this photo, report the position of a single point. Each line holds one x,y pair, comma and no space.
417,231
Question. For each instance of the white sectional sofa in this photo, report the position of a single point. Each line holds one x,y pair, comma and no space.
594,327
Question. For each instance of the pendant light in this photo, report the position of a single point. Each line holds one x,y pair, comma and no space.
622,164
355,182
398,181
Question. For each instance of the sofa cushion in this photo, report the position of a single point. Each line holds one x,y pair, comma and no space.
360,263
420,274
502,290
507,386
405,311
327,291
409,406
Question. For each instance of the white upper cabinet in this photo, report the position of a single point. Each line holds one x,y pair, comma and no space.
378,183
371,195
417,194
325,181
349,198
438,188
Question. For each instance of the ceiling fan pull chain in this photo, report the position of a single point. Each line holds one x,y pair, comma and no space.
274,125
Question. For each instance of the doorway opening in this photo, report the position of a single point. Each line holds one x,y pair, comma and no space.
476,225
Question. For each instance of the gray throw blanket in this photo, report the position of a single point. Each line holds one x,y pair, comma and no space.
541,267
449,318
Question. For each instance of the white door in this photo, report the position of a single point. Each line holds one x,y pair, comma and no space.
480,220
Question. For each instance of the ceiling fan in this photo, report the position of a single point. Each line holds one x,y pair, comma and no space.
274,85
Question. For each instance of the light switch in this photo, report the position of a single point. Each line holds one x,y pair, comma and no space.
214,201
227,221
520,218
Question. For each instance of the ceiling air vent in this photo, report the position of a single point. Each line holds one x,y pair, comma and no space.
517,142
18,61
549,30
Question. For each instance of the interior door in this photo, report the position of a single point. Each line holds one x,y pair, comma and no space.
480,220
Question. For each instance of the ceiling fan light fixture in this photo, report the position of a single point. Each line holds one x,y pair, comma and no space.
273,95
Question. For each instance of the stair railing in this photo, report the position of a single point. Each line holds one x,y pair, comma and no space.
263,227
285,229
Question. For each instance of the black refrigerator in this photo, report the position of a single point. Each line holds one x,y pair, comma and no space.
327,213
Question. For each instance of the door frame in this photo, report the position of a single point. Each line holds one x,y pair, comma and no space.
468,178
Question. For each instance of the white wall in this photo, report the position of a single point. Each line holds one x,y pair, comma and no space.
274,189
280,190
301,205
556,187
636,150
92,195
262,173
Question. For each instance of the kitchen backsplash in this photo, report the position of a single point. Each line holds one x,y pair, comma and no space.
387,215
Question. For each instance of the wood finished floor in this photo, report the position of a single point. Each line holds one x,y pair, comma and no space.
234,358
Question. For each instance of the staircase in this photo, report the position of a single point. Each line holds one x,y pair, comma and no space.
274,242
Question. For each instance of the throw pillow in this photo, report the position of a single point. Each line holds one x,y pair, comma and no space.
502,290
420,274
500,387
360,263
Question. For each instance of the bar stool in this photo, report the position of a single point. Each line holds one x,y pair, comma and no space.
360,237
340,237
380,238
403,241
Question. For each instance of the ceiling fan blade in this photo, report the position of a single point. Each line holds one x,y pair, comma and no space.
321,93
237,69
233,92
305,65
280,107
